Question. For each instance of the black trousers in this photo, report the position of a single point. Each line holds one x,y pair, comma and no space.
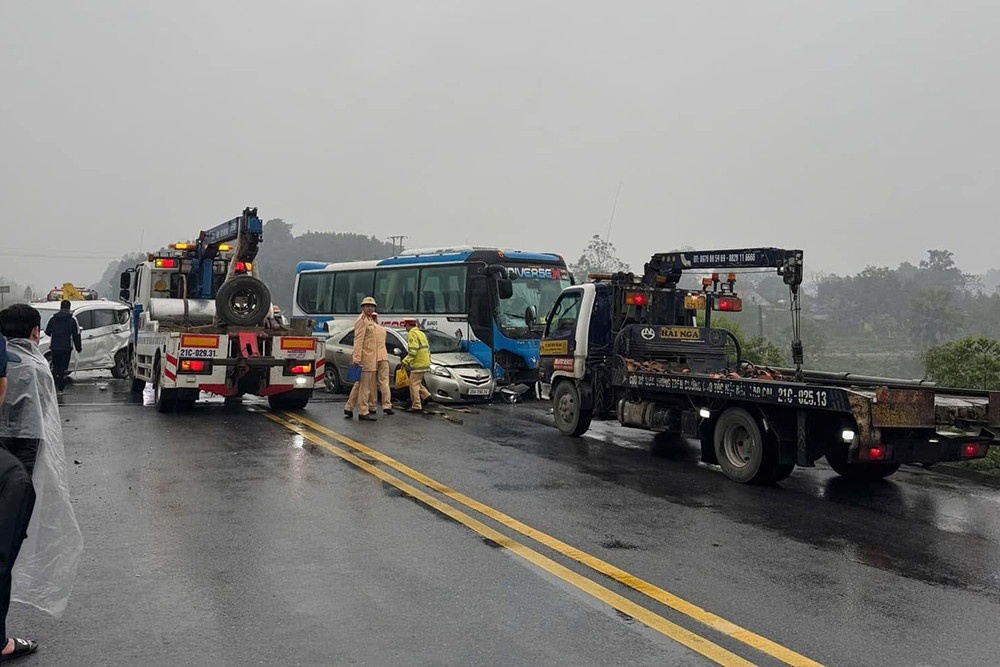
17,500
60,364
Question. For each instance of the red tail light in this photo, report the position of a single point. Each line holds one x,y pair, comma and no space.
635,299
162,263
876,453
301,369
732,304
975,450
194,366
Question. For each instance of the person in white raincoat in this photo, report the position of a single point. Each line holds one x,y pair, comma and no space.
31,429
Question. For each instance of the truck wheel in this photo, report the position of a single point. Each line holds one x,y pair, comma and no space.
836,456
163,398
570,418
290,400
123,365
243,301
744,453
331,380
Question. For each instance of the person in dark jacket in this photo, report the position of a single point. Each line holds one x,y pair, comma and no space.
64,334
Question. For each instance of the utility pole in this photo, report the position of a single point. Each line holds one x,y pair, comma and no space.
394,239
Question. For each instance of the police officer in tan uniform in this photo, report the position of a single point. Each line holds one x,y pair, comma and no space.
382,370
365,354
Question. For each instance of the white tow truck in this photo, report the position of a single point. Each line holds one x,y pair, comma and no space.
202,322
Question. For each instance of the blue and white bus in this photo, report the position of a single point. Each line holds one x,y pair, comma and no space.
493,300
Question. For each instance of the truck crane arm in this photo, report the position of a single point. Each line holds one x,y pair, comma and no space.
665,269
668,266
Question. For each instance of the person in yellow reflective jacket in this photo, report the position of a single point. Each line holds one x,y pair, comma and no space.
418,361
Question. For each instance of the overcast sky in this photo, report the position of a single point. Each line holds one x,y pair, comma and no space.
864,132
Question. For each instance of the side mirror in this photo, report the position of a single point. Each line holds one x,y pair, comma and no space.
125,281
530,315
124,295
505,288
398,352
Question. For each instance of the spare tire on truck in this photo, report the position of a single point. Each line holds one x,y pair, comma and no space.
243,301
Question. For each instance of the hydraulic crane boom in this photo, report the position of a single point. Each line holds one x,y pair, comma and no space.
665,269
247,231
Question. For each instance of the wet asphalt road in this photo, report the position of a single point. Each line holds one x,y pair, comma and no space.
222,538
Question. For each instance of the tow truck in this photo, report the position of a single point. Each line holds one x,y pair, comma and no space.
642,350
203,321
70,292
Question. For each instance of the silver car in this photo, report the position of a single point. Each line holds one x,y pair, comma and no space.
454,375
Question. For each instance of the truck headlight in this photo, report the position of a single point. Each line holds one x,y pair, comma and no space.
440,370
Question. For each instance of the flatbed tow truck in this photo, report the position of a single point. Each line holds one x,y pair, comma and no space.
632,348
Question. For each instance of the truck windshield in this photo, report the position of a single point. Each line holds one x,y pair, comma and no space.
538,292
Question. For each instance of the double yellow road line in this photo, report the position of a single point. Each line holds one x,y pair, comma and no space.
312,431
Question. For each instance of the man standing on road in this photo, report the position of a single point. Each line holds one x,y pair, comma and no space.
364,355
64,334
31,431
382,370
418,361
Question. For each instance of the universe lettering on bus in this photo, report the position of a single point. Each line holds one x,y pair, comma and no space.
543,272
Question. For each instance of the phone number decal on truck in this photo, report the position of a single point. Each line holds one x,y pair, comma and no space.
784,394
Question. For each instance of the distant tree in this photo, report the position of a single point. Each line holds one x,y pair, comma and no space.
598,257
757,350
934,317
762,352
973,363
108,285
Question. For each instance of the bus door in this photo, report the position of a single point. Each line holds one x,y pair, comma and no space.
481,319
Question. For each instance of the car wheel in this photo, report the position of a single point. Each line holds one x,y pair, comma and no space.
331,380
123,365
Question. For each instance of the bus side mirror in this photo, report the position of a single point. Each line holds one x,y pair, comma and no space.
530,315
505,288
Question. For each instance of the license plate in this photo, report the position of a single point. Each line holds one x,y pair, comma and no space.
197,352
479,391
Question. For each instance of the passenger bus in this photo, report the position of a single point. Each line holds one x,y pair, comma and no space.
493,300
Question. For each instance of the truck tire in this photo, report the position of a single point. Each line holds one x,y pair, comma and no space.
164,399
243,301
836,456
295,399
570,419
745,454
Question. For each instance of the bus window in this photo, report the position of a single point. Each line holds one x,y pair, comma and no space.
316,292
396,290
350,289
442,289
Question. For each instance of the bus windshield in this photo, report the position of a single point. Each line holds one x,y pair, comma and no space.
513,317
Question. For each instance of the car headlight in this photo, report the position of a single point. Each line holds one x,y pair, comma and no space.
440,370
